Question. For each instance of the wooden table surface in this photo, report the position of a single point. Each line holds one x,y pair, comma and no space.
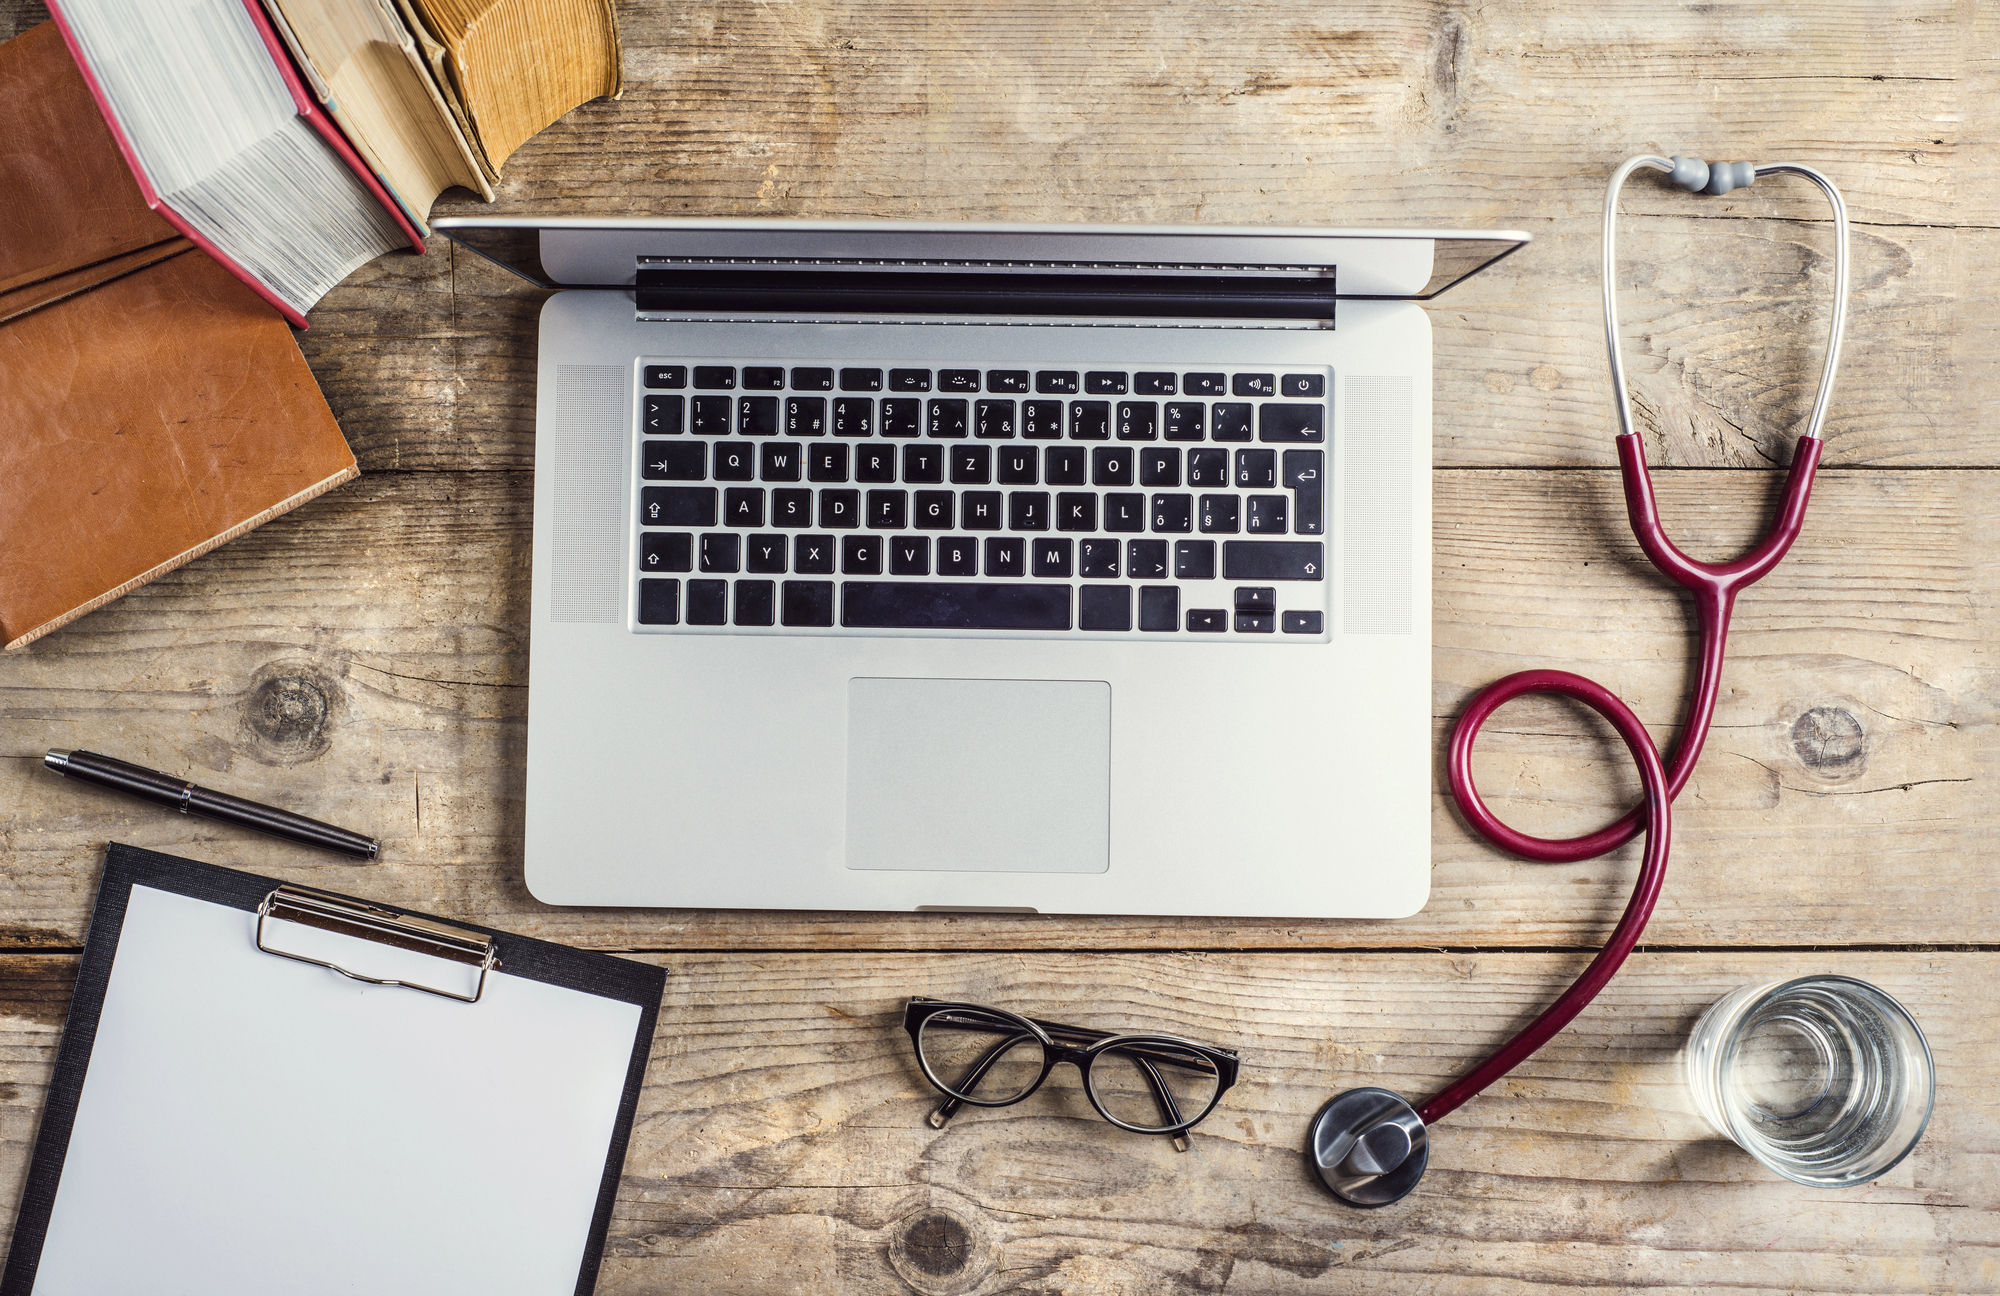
366,655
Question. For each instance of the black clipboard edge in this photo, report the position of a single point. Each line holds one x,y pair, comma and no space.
603,975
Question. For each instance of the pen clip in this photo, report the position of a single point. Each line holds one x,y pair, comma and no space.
353,918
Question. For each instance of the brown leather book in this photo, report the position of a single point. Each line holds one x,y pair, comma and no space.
152,407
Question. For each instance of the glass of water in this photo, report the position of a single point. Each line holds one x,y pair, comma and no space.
1824,1079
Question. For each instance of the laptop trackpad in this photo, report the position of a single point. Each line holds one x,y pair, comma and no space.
979,776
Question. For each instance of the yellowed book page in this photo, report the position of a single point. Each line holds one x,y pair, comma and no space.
521,64
437,63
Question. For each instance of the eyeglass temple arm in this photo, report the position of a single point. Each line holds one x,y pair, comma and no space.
949,1107
1165,1097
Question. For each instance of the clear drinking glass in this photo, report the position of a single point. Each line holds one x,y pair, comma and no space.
1825,1079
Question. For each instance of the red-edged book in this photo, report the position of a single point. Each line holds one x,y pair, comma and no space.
228,146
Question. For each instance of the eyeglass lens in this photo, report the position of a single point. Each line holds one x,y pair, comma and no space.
1133,1084
980,1056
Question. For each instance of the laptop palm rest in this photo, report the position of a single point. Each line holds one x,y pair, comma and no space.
979,776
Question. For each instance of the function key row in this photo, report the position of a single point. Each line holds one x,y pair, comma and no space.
991,420
1046,382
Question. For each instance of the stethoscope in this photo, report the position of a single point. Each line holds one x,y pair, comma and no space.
1371,1146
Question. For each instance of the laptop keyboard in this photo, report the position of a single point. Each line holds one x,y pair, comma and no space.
829,496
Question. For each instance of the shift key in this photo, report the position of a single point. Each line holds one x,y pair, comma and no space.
1305,477
1273,560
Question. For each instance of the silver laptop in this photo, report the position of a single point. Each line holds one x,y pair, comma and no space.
1066,569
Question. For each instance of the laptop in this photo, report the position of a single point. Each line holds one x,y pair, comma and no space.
1023,568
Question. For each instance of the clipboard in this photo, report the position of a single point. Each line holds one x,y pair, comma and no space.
268,1087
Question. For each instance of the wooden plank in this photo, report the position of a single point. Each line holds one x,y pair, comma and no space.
781,1142
365,659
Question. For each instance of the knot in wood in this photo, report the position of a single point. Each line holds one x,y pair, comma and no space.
289,711
937,1244
1830,741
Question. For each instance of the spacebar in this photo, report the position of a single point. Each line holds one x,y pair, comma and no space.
931,605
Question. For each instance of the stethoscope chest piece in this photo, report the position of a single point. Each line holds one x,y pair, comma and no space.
1370,1147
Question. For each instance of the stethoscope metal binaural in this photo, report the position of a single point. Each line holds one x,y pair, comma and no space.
1370,1146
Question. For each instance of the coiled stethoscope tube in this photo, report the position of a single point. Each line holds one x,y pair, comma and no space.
1371,1146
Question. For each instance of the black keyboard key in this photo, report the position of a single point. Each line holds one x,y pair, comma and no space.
840,508
1185,421
743,506
875,463
827,463
666,551
1017,466
763,378
1273,560
659,602
957,556
1007,380
715,377
674,460
948,419
1159,466
1291,422
1207,621
805,416
1041,420
1305,476
958,380
1255,623
923,464
1153,384
1104,607
1302,385
1257,598
888,510
670,377
902,417
1302,622
1159,607
1256,469
812,380
721,552
979,510
808,603
854,416
1090,420
993,419
1006,557
777,461
862,380
662,416
1076,511
1266,515
1111,466
764,555
679,506
971,465
935,510
1194,560
1124,512
1204,384
910,556
1056,382
861,555
1097,559
1063,465
812,555
1208,468
1229,422
707,600
1138,420
1172,513
791,508
1027,511
1052,558
1219,514
709,415
909,380
932,605
1253,385
1146,559
735,461
1103,382
753,602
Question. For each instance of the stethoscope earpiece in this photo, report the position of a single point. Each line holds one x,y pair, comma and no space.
1370,1147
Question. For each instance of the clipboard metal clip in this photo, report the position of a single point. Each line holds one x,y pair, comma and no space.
351,917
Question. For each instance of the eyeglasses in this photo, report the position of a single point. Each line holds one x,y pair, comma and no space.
1149,1084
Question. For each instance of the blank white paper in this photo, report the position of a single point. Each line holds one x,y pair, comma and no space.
251,1124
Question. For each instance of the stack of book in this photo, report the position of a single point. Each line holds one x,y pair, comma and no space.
151,407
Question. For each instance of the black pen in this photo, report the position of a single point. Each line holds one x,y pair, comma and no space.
179,794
